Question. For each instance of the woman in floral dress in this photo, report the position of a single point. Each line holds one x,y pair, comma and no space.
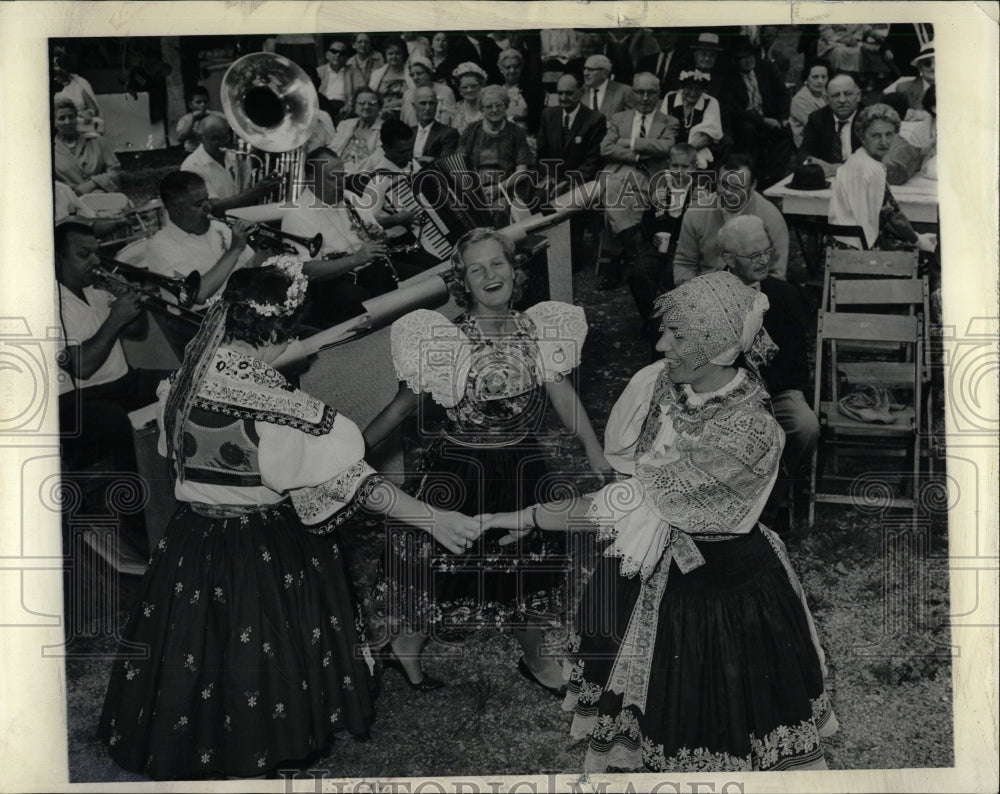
696,651
494,370
244,650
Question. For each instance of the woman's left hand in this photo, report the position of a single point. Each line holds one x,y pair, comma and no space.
513,521
599,464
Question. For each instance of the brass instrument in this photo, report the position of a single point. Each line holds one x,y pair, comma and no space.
272,105
118,277
267,237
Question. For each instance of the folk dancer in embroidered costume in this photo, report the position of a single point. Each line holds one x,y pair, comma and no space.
697,651
244,649
491,369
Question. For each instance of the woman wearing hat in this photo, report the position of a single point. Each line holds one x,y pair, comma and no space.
698,113
254,651
696,651
861,193
422,75
914,88
470,79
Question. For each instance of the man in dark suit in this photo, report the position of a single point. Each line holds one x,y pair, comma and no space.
759,121
569,153
601,92
433,139
636,146
828,138
665,64
569,138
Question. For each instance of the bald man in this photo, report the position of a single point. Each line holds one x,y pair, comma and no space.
828,138
216,164
600,92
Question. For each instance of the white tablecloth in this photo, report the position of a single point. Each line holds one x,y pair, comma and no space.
917,199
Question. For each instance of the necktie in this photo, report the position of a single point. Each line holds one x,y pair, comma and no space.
642,126
565,129
593,100
838,143
753,93
662,71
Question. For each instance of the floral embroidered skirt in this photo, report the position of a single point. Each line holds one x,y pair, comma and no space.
714,670
426,588
243,651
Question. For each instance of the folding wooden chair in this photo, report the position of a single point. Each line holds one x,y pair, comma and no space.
910,294
846,264
843,436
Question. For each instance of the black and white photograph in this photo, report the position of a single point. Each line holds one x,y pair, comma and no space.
499,397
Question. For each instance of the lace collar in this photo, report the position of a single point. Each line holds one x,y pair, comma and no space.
241,385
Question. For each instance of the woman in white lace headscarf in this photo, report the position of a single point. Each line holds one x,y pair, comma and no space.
696,651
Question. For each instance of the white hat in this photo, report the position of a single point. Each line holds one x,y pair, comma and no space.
926,52
707,41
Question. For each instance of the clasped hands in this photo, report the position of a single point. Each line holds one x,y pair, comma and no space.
458,532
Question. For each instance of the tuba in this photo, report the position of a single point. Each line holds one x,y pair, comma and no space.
271,104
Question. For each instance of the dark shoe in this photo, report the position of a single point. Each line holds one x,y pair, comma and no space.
524,670
391,662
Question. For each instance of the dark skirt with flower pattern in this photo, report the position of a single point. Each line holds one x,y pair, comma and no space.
424,587
244,651
735,683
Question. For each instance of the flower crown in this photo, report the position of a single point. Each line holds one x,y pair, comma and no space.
291,266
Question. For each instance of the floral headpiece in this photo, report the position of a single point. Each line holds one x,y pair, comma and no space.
697,75
291,266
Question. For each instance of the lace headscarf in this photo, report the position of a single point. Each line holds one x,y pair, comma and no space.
722,318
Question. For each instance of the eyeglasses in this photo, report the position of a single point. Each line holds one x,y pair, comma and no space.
495,106
645,91
593,69
757,257
337,52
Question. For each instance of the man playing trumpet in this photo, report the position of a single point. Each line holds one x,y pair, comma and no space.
97,388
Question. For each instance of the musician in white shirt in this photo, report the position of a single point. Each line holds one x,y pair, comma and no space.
353,266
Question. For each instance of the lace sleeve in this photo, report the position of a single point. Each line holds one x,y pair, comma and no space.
561,329
431,354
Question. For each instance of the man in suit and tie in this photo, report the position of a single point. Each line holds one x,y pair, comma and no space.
828,137
601,92
636,147
569,138
433,139
569,153
760,113
665,64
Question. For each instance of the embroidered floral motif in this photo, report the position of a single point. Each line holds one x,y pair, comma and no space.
244,387
784,743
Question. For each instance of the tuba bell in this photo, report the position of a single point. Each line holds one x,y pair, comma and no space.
272,105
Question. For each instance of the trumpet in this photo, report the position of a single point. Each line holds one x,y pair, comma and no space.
118,277
268,238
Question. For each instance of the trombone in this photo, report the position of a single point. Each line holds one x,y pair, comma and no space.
263,236
118,277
